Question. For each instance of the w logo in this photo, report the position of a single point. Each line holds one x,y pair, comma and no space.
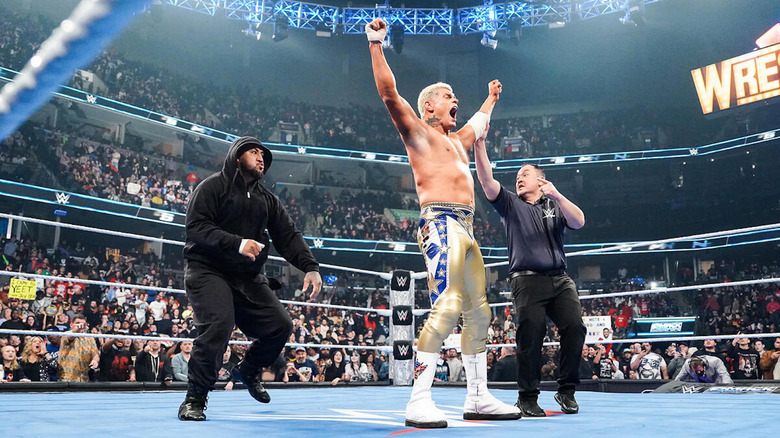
401,280
402,315
402,350
91,98
693,151
318,243
301,150
690,389
62,198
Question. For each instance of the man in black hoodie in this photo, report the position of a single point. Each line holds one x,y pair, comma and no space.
229,219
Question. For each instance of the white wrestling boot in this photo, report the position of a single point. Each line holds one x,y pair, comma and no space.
480,404
421,412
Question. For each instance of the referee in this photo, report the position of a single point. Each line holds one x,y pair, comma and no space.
535,217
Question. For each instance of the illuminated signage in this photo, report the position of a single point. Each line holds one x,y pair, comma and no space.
738,81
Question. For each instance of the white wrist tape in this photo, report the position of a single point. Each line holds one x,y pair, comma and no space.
479,122
375,35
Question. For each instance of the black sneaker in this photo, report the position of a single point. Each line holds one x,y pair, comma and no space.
567,402
530,408
250,376
192,408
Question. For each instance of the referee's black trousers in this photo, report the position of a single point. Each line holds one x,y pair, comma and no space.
537,296
221,301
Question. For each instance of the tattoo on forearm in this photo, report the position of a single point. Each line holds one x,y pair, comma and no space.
434,121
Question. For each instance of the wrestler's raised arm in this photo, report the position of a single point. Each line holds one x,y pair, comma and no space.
404,118
478,123
490,186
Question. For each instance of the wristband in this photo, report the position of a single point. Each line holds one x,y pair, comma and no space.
478,122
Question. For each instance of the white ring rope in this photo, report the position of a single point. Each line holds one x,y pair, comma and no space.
180,291
664,339
667,289
97,282
170,339
92,229
386,276
373,347
611,249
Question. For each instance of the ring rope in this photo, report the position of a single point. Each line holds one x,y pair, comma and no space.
611,249
179,291
170,339
667,289
664,339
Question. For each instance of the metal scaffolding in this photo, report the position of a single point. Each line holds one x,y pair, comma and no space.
488,17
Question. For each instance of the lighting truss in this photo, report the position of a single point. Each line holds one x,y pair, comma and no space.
485,18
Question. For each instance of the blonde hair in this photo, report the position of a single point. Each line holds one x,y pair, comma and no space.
27,350
14,363
428,93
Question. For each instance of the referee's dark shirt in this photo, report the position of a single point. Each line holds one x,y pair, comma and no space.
534,232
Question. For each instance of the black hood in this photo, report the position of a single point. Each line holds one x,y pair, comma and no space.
239,146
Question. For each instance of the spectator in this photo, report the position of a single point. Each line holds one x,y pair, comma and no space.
301,369
710,348
603,365
442,373
506,367
151,365
334,373
116,364
704,369
770,365
11,371
357,371
586,371
180,362
455,365
648,364
38,365
744,359
77,355
225,373
681,354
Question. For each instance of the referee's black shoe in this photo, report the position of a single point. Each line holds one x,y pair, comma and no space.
249,375
192,407
567,402
530,408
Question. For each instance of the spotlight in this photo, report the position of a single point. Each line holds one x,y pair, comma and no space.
323,30
489,42
280,28
397,38
251,32
515,31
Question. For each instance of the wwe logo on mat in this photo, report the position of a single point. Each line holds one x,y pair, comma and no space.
418,368
62,197
318,243
693,151
693,389
91,98
301,150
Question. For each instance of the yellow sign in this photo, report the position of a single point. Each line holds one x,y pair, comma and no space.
739,81
23,289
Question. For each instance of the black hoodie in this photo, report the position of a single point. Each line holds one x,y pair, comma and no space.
223,210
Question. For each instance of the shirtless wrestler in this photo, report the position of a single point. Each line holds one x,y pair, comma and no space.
456,272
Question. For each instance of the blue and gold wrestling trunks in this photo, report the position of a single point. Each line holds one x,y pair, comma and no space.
456,276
